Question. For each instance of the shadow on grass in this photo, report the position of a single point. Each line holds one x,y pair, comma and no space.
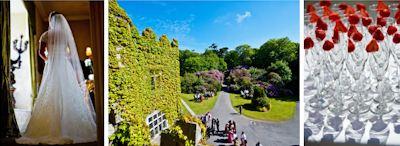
248,106
285,98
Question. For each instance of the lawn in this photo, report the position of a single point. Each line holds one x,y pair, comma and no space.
281,110
199,107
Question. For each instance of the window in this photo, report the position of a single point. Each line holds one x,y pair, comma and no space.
153,82
156,122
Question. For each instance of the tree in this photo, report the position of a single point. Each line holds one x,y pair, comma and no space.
282,69
274,50
246,55
231,59
183,55
203,62
222,52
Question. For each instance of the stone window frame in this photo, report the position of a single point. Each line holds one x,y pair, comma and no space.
157,123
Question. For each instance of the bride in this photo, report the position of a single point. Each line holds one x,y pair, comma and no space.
63,112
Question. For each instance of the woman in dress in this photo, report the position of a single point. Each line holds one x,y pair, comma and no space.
63,112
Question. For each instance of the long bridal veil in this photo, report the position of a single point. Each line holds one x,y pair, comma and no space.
63,112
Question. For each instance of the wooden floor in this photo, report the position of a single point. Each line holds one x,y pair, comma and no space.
11,142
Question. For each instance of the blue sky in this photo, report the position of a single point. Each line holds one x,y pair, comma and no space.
197,24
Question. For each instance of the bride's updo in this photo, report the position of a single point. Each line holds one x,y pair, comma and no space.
51,18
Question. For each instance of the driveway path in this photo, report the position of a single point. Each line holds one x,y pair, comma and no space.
267,133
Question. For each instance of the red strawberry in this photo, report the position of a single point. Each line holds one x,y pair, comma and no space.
396,38
381,6
308,43
372,46
381,21
313,17
340,26
391,30
349,10
343,6
384,13
364,13
366,21
350,46
357,36
398,21
378,35
320,34
360,6
326,3
310,8
321,24
326,11
334,16
397,15
335,37
352,30
353,19
372,29
328,45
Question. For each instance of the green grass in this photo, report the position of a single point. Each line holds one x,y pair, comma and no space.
199,107
280,110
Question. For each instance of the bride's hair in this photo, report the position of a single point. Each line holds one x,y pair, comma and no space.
53,13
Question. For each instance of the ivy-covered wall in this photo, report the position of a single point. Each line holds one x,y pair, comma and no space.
143,77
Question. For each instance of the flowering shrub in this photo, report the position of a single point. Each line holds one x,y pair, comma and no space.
272,90
239,79
202,81
213,74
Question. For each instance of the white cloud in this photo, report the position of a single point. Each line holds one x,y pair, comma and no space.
241,17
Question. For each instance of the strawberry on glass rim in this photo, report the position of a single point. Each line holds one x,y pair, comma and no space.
381,6
327,11
352,29
357,36
308,43
335,37
391,30
384,13
360,6
328,45
320,34
378,35
321,24
396,38
325,3
372,46
350,46
339,26
397,14
349,10
364,13
372,29
381,21
353,19
310,8
313,17
343,6
366,21
334,17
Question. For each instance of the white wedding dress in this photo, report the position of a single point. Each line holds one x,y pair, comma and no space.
63,112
